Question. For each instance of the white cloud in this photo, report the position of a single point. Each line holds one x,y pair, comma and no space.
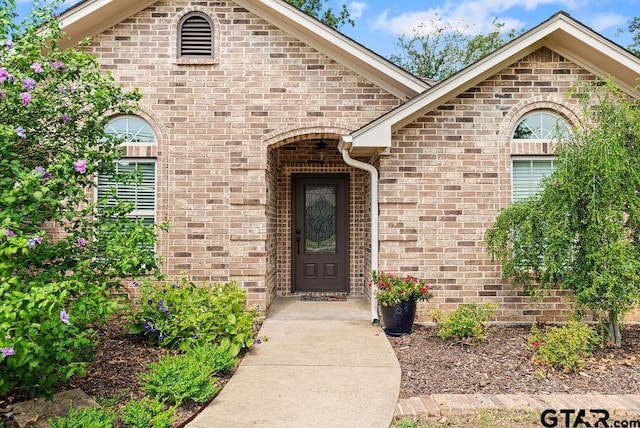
357,8
475,16
606,21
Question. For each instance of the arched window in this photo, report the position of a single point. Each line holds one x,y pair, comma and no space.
140,193
528,171
195,36
541,125
131,129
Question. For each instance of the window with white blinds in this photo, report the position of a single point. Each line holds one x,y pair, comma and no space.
195,36
141,193
527,175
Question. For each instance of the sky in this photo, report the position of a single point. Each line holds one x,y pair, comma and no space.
379,23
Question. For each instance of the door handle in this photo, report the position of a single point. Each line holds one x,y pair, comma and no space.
298,244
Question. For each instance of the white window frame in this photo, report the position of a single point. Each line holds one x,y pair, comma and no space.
533,187
112,131
137,213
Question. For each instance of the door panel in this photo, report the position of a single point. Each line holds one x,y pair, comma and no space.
320,235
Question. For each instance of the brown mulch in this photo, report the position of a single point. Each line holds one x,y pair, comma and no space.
502,364
112,377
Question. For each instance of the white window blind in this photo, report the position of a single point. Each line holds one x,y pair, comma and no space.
528,175
142,194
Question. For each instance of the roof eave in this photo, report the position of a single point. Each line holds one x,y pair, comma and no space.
91,17
561,34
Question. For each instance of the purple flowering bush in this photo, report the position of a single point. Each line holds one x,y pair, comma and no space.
181,314
60,257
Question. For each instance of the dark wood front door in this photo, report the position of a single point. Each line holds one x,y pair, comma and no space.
320,233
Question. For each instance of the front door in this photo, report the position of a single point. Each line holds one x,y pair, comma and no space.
320,233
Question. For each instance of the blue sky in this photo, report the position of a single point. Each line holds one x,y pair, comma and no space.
379,23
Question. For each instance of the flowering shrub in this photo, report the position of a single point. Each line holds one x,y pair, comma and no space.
180,314
391,289
60,258
567,347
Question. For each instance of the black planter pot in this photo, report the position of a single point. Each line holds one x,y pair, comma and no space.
398,319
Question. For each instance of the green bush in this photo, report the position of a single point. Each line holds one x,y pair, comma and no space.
567,347
60,256
179,314
149,412
189,376
84,418
468,321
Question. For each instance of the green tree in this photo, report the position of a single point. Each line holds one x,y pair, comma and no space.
634,30
61,257
315,8
441,49
581,232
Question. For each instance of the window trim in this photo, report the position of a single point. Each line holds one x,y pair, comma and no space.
556,115
136,117
136,213
553,160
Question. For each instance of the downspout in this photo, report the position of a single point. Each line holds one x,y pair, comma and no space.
344,146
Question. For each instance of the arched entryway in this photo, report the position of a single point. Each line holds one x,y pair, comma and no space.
305,172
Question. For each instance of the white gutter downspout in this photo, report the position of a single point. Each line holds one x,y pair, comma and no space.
344,146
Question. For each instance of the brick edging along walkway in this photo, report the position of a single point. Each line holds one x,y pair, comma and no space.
437,405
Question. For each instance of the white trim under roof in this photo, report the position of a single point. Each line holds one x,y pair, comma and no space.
91,17
560,33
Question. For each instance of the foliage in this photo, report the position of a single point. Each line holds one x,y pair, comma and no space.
177,378
84,418
60,258
442,48
391,289
179,314
634,30
328,16
581,231
467,321
567,347
147,413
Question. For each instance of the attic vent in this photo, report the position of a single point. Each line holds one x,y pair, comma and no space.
196,36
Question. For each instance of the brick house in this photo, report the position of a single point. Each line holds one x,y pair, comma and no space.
268,140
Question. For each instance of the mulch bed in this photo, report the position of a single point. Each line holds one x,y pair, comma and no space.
502,364
112,377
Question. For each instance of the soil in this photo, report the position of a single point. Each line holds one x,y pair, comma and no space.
501,363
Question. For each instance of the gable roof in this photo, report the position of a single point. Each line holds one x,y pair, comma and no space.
560,33
91,17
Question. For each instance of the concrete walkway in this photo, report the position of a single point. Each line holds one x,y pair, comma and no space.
323,365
